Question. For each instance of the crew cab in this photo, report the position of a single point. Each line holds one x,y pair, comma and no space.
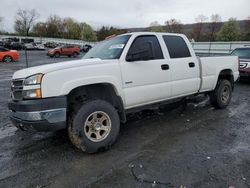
91,96
244,56
66,50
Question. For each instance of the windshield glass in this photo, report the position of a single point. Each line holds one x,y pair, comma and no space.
242,53
108,49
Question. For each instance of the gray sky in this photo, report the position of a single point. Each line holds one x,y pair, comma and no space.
126,13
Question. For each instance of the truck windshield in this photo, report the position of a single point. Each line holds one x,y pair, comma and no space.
242,53
108,49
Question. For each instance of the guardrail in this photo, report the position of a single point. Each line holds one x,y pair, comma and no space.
44,40
219,48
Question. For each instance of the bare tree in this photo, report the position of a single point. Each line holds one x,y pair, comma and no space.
214,26
197,29
155,27
25,20
173,26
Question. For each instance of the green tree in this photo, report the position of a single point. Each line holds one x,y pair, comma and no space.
230,31
155,27
72,29
87,33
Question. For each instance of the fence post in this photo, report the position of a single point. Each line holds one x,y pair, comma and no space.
209,50
230,48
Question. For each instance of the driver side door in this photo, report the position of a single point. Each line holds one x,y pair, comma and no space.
145,73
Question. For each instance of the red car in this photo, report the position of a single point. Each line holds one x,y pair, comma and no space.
70,51
7,55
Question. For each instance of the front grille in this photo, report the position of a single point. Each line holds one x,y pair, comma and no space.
17,89
243,65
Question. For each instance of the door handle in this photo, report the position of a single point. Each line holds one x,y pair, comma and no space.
165,67
191,64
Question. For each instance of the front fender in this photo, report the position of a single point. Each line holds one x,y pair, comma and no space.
70,85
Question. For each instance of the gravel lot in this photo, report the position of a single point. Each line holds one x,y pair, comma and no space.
190,145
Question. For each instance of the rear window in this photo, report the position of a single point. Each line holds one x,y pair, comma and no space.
177,47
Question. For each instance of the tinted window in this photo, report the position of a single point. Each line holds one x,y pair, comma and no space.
177,47
149,43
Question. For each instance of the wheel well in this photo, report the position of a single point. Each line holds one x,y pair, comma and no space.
7,56
227,74
102,91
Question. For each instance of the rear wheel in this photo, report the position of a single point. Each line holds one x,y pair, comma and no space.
75,54
7,59
94,127
221,96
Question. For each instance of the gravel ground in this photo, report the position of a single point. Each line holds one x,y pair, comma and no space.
190,145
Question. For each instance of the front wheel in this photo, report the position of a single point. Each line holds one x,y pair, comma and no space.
7,59
75,54
221,96
57,55
94,127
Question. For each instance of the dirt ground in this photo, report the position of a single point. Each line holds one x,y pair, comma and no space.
177,145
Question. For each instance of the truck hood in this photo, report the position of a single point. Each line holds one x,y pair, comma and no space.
24,73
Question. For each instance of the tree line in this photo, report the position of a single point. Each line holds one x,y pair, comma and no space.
204,29
207,30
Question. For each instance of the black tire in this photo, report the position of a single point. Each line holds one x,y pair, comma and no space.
77,126
7,59
221,96
57,55
75,54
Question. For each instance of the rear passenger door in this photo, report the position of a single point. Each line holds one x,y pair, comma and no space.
185,72
148,79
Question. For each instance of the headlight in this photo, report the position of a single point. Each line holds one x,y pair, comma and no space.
33,80
32,94
33,83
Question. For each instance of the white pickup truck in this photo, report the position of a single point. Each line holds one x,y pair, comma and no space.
91,96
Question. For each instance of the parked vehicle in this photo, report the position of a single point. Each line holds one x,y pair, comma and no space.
85,48
1,43
39,46
51,45
27,40
244,56
127,73
70,51
16,46
29,46
7,55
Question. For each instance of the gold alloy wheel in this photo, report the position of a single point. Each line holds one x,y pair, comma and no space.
97,126
225,94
